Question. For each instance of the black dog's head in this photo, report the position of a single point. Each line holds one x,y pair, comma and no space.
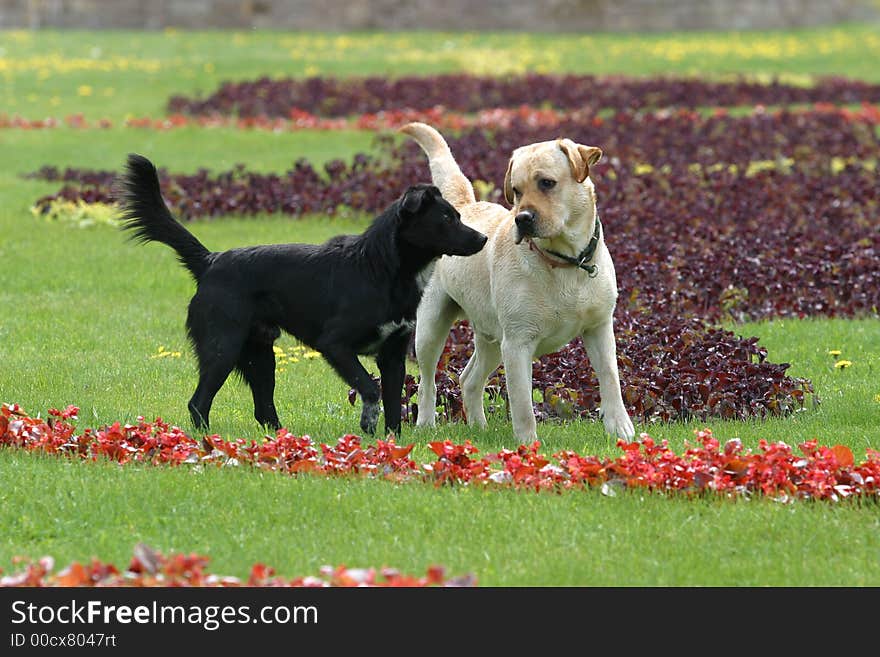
430,223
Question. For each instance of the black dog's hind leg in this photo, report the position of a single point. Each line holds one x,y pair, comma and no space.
212,376
391,361
257,367
217,339
345,362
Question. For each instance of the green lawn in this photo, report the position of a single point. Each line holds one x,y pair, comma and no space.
82,311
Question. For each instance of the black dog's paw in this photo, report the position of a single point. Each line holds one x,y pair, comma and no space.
370,417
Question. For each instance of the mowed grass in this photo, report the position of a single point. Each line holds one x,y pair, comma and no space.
83,312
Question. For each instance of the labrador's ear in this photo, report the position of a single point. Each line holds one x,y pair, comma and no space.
413,199
508,186
580,157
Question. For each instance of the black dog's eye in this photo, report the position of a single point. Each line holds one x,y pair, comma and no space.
546,184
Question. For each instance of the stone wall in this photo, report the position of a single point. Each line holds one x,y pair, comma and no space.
454,15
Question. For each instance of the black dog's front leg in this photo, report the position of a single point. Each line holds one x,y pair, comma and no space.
347,365
391,361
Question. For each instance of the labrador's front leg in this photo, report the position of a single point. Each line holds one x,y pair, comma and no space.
602,350
517,358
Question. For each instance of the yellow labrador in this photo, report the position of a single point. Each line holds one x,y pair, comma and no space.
544,277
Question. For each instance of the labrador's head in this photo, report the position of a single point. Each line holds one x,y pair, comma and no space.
548,184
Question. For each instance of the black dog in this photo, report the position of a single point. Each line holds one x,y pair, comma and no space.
355,294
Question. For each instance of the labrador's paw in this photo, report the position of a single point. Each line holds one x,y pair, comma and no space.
618,423
426,419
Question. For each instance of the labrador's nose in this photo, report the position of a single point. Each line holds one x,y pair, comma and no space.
525,221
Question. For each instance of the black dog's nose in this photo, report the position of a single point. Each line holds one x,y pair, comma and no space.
478,242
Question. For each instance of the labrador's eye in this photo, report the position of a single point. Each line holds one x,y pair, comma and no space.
516,193
546,184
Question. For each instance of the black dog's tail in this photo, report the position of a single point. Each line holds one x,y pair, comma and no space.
145,214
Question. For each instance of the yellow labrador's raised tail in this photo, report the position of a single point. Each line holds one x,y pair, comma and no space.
445,171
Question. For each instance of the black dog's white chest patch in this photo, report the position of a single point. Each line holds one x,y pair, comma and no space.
384,331
393,327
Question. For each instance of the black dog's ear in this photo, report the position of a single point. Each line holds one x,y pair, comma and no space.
413,199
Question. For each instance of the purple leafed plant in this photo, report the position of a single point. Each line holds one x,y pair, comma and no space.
671,369
337,97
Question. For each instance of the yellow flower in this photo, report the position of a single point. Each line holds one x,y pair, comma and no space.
842,364
877,398
84,90
834,352
162,352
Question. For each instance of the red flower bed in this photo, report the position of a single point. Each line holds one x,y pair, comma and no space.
151,568
775,470
490,119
